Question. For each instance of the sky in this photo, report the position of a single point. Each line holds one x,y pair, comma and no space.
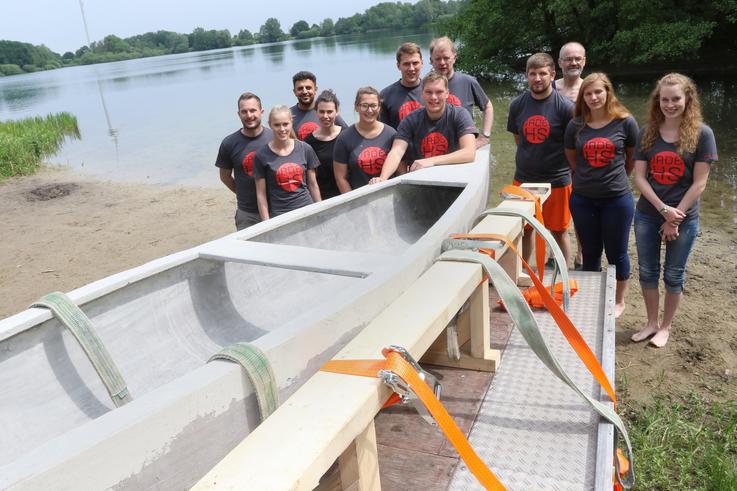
58,23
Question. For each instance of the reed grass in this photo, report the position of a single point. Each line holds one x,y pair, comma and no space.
26,142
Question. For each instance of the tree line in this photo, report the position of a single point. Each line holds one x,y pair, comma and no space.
19,57
498,35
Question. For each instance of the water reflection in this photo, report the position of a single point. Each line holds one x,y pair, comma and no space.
274,53
302,45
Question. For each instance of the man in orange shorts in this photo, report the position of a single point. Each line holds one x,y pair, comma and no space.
538,119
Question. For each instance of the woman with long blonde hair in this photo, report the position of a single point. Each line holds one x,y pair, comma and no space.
672,163
599,143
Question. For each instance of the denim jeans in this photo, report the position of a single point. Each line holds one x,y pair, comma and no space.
647,236
604,224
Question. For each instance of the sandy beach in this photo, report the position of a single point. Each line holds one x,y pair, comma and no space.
61,230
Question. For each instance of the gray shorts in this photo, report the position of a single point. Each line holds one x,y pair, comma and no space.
244,219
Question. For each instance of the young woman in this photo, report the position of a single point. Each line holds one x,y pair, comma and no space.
672,161
599,143
360,151
284,169
322,141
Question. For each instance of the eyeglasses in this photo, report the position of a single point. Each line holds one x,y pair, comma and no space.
570,59
366,107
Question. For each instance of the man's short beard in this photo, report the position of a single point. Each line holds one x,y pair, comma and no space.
573,72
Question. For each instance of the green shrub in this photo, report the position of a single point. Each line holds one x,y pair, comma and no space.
10,69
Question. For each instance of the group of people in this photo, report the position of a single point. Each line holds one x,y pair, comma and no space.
571,132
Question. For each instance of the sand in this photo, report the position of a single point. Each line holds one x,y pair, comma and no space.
61,230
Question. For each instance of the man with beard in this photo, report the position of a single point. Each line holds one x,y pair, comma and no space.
465,90
572,60
438,134
405,95
304,116
235,159
538,119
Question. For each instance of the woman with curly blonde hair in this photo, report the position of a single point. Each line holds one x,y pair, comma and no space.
672,163
599,142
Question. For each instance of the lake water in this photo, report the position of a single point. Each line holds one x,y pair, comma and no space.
167,115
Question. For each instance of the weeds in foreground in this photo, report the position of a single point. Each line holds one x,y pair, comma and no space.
685,445
24,143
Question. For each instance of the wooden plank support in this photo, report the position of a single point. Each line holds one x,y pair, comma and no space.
359,463
294,447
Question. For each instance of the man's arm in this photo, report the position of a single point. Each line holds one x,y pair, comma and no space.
399,147
466,153
516,139
226,176
488,122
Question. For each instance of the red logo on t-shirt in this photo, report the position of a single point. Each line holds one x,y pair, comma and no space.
599,152
306,129
454,100
248,163
289,176
536,129
371,160
407,108
667,167
433,145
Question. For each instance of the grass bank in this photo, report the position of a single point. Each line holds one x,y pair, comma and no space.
25,143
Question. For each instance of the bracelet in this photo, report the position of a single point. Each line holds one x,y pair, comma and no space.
664,210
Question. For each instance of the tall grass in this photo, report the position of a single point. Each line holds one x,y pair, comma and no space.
26,142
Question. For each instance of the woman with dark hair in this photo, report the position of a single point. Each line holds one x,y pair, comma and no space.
599,142
284,169
672,162
360,151
322,141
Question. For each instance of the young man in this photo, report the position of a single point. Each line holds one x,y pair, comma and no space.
235,159
304,115
538,119
465,90
572,60
437,134
405,95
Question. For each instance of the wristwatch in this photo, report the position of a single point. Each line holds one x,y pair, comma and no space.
664,210
487,134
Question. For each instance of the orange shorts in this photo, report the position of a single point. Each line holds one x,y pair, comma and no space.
556,212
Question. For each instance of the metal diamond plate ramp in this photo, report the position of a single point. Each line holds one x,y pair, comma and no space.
532,429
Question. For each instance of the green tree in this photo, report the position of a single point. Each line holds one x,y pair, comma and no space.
327,27
298,27
271,31
244,38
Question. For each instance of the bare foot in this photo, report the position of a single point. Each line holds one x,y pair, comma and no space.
618,309
644,333
660,338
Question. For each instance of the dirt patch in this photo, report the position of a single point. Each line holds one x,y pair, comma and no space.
51,191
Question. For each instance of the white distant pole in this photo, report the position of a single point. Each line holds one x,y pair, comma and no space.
84,21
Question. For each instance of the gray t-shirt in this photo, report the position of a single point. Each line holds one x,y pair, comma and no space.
540,125
236,152
306,122
670,174
601,157
397,101
286,177
427,138
465,91
364,156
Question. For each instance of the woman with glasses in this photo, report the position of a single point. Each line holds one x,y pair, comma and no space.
672,161
599,142
360,151
322,141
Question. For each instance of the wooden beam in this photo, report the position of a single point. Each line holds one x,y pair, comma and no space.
359,463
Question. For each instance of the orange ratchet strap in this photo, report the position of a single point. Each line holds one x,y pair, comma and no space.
564,323
400,367
539,241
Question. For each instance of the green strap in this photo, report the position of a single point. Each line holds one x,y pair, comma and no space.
560,261
71,316
525,321
259,372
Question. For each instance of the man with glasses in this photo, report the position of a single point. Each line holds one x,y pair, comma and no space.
438,134
465,90
572,60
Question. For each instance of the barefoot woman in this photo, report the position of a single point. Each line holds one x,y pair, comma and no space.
672,162
599,143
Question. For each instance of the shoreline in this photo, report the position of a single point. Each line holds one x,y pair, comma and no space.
63,229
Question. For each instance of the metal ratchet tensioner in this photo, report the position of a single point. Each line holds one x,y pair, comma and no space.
404,390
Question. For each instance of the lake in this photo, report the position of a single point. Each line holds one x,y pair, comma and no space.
161,119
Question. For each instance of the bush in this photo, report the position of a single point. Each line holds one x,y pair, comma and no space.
10,69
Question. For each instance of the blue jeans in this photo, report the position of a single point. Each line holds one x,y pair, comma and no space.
647,235
604,224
